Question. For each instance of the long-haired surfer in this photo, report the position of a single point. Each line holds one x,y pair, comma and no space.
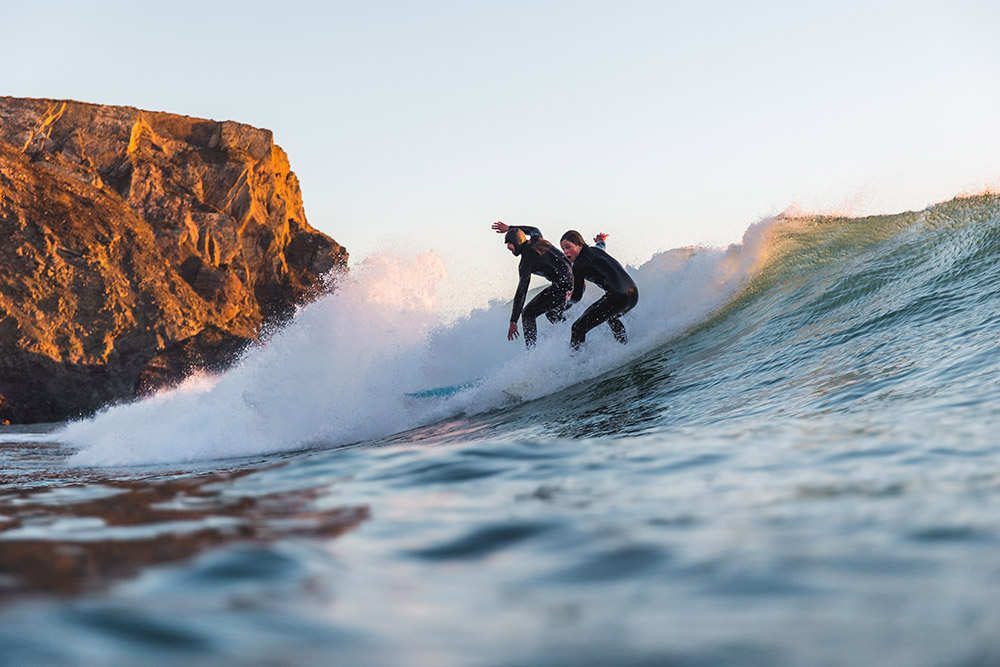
620,291
541,258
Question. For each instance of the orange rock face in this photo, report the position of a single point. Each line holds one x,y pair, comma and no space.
138,246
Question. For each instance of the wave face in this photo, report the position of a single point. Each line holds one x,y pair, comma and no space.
810,316
889,318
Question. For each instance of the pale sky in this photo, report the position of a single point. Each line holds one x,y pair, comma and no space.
413,125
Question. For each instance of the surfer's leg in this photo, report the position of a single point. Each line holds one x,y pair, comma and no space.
534,308
597,312
608,309
618,329
558,312
530,329
550,301
626,302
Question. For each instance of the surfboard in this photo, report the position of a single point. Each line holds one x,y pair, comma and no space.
442,392
514,392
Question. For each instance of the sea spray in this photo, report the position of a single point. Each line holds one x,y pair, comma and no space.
332,373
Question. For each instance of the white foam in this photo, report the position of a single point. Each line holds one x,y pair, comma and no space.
339,372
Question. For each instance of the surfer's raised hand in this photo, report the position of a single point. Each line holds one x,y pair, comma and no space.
501,227
512,332
601,237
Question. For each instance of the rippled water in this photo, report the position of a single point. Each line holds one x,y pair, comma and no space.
810,477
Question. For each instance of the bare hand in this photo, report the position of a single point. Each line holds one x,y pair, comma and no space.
512,332
601,237
500,227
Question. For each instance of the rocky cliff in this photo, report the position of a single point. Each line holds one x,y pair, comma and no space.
139,245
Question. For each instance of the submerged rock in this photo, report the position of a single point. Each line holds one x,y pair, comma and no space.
139,246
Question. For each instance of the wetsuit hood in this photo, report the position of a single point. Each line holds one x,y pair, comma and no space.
516,238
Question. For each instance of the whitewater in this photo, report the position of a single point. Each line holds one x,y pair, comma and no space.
794,461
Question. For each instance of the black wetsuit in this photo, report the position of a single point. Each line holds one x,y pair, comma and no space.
620,293
541,258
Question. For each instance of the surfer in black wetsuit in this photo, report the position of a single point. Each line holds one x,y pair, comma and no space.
600,268
541,258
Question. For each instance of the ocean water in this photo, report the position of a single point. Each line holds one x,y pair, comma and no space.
795,461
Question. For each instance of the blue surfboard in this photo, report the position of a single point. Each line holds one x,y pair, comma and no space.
442,392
